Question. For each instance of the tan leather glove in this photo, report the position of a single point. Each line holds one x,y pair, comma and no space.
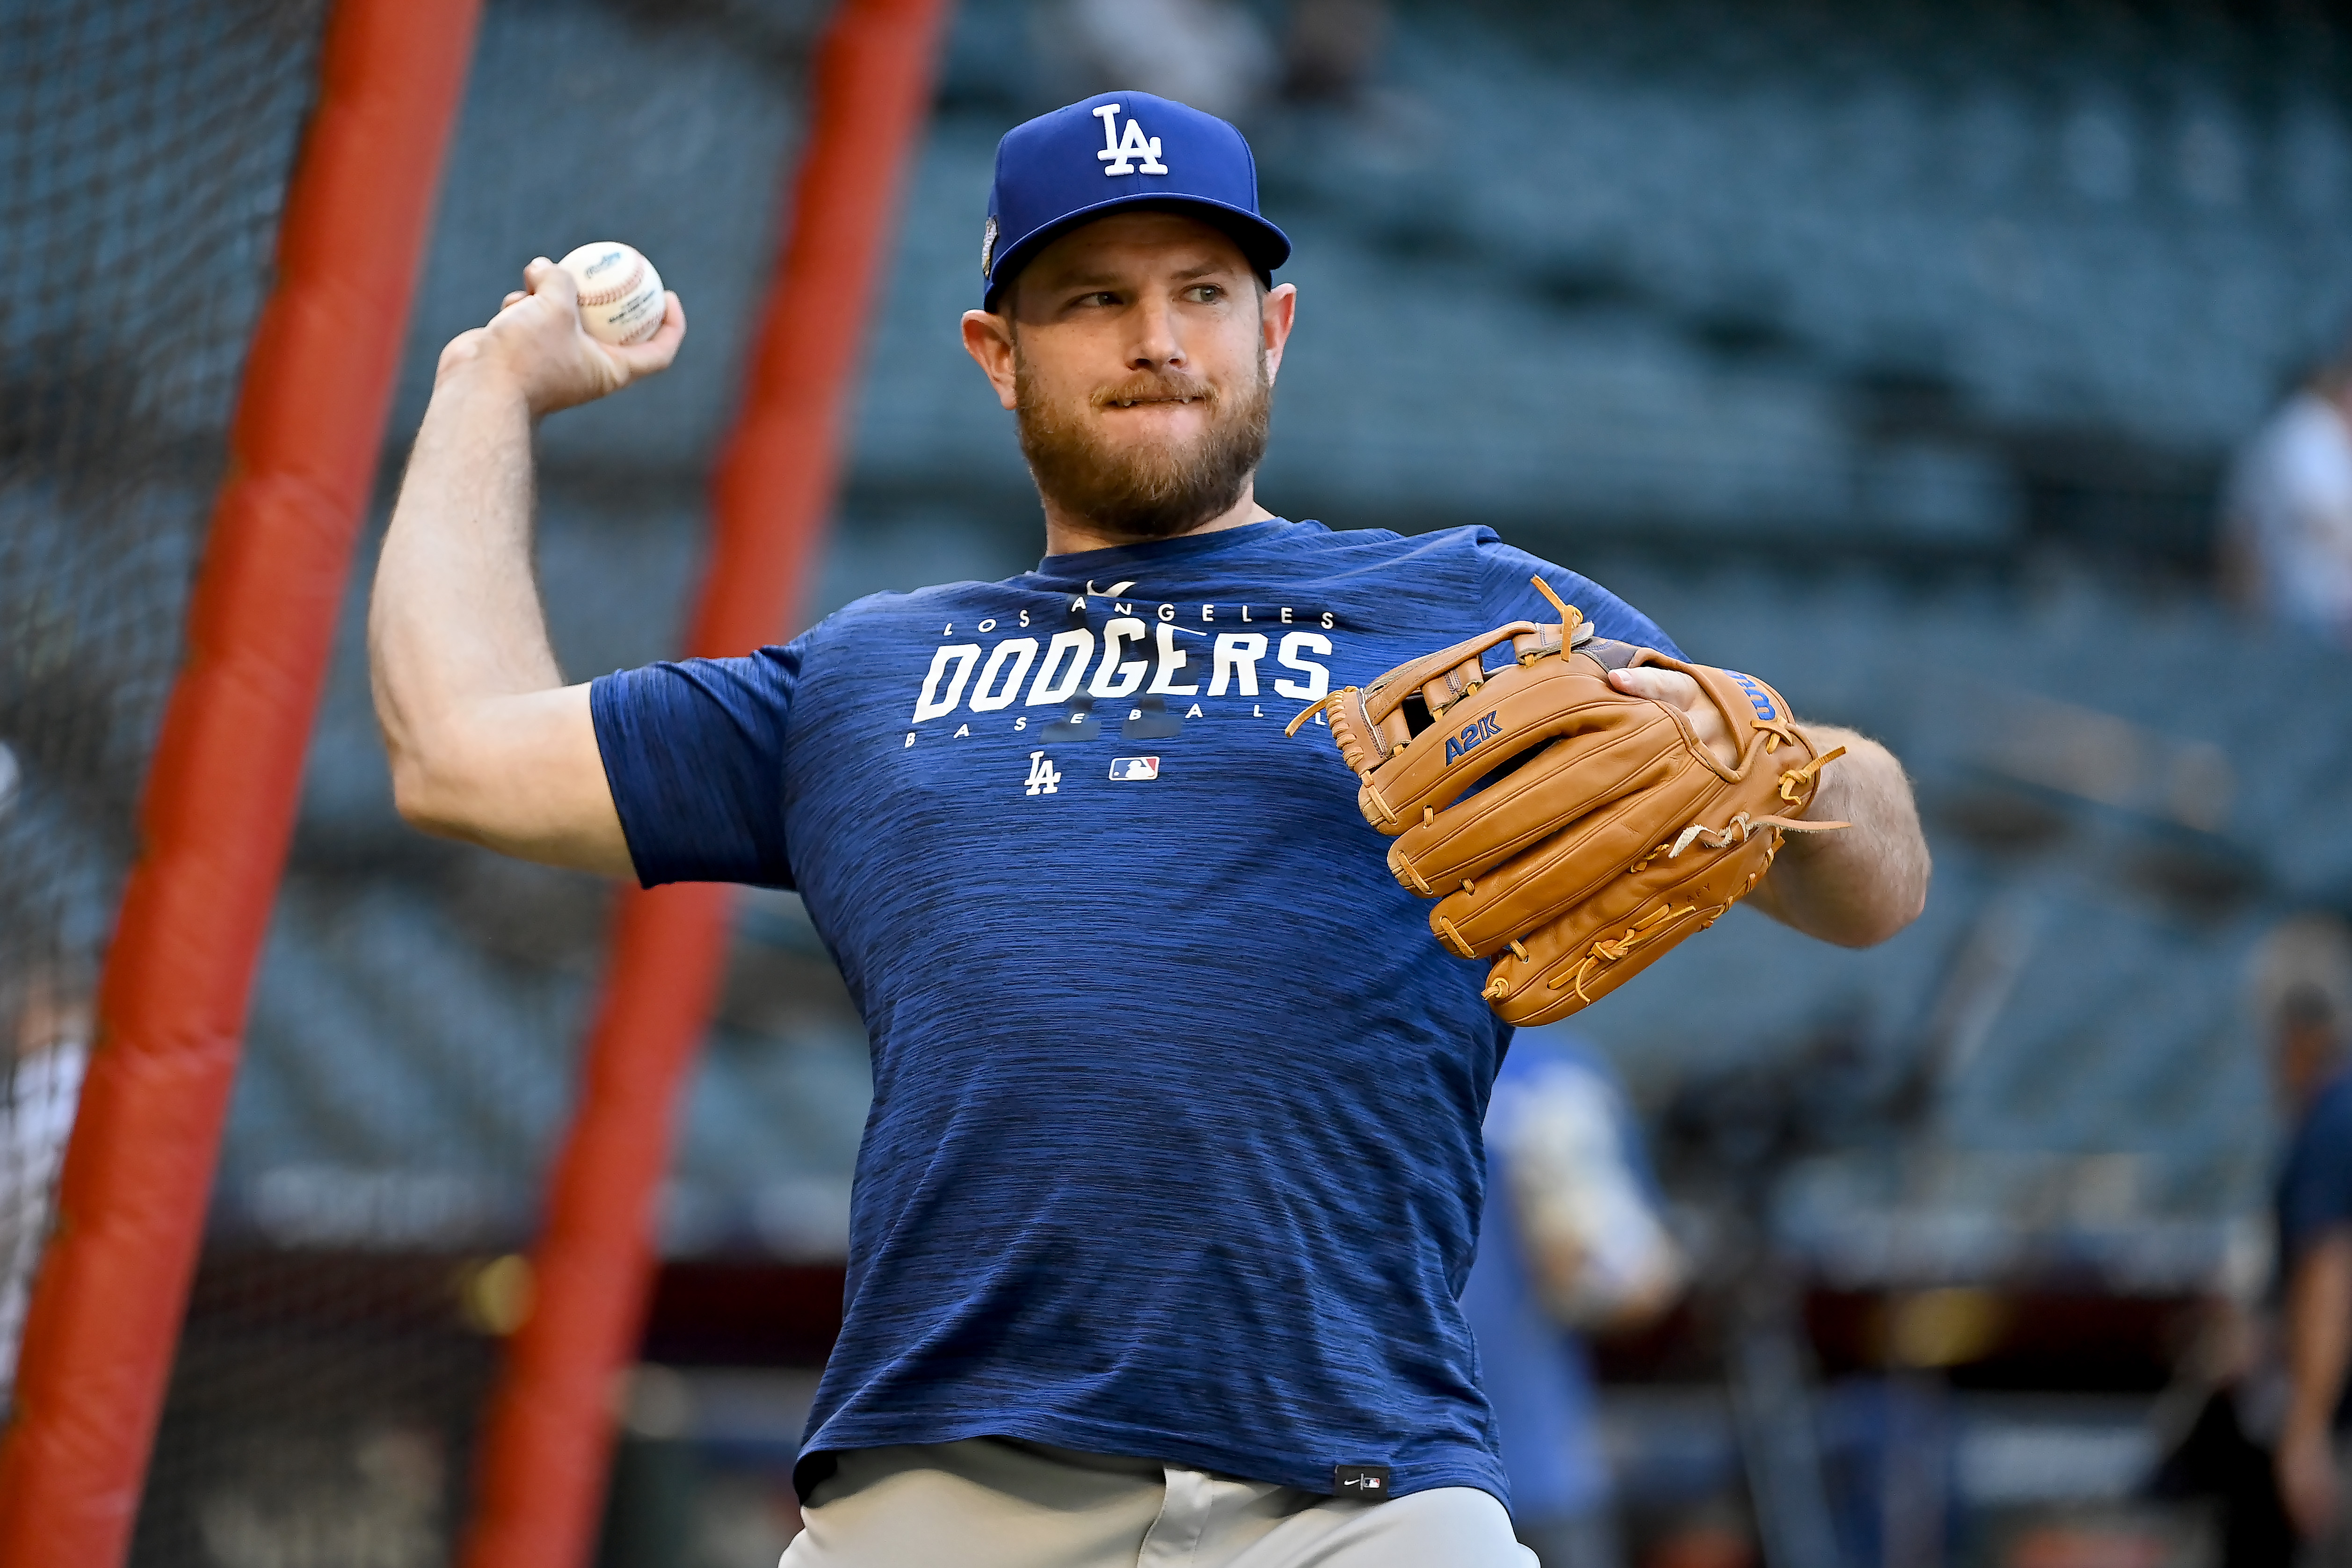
1570,831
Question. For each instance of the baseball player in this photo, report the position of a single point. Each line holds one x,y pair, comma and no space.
1173,1171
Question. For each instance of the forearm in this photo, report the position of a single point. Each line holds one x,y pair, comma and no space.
1858,885
487,743
2319,1333
455,618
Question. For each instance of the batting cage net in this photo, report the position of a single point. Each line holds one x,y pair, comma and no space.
411,1053
144,149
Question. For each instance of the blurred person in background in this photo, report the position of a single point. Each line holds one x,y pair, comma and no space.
2254,1405
1210,54
1571,1242
2287,531
1215,54
51,1047
2315,1239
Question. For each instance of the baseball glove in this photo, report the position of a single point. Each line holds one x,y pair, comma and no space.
1569,831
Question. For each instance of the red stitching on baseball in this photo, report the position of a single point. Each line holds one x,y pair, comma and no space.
619,291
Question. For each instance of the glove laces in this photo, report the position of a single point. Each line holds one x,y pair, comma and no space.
1793,780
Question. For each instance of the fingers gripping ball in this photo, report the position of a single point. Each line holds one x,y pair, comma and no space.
620,292
1571,832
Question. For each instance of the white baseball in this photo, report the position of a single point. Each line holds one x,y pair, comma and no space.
620,292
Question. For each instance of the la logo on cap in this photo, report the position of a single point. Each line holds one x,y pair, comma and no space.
1118,152
1043,185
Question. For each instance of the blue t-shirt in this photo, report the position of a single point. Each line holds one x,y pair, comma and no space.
2314,1189
1174,1149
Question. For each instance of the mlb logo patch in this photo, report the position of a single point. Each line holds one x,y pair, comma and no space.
1135,767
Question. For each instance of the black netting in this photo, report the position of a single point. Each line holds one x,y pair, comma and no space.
409,1064
144,148
411,1060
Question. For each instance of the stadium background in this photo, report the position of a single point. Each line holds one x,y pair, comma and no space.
1895,351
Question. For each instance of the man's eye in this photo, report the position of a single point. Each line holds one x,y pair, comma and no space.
1101,297
1204,293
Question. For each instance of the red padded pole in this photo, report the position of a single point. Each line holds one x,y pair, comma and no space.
221,794
550,1436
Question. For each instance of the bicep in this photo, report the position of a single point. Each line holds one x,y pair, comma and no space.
529,781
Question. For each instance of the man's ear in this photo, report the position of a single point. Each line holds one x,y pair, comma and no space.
988,339
1276,313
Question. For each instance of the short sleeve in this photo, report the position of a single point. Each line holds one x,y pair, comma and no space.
2315,1193
1506,578
695,755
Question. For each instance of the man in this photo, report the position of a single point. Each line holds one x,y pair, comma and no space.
1571,1238
40,1088
2287,530
1173,1173
2314,1240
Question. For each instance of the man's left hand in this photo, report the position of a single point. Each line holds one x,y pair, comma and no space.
1679,692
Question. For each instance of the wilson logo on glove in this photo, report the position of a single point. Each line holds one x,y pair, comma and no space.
1459,745
1757,697
1605,831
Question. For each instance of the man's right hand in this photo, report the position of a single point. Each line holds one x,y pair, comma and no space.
537,345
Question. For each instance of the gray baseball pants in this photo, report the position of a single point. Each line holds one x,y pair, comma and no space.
991,1503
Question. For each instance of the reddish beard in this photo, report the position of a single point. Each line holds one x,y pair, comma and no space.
1143,491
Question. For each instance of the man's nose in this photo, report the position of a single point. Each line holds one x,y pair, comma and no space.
1156,345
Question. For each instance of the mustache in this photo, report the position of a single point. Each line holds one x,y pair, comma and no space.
1149,489
1155,386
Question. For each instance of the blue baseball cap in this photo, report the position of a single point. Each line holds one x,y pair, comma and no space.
1120,150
